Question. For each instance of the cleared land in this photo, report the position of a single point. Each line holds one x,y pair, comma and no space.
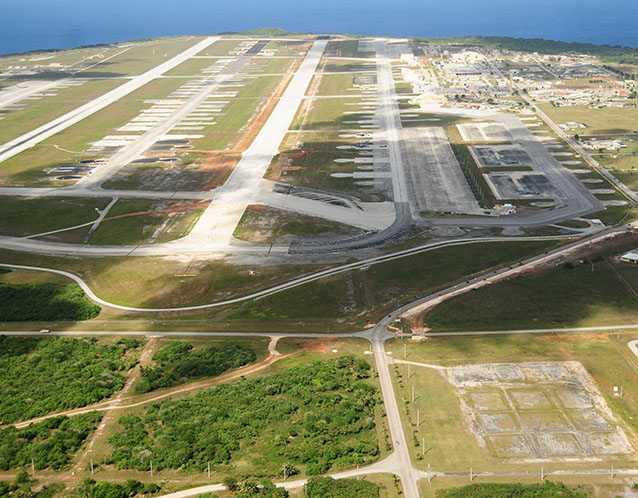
606,120
442,413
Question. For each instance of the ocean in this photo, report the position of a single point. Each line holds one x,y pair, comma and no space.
45,24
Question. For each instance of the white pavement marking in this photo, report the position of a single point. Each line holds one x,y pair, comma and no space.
217,224
43,132
633,345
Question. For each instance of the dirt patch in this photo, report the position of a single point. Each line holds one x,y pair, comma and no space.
281,163
222,164
322,345
256,208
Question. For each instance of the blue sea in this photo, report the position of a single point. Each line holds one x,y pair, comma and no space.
44,24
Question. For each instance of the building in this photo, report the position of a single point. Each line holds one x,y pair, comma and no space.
630,257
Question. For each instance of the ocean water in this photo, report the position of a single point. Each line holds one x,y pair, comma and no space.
41,24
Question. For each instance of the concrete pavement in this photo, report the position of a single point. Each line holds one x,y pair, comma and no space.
34,137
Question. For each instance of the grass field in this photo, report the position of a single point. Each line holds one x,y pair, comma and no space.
191,67
17,213
39,112
564,296
67,146
328,114
268,225
604,356
147,227
264,65
288,47
606,120
142,57
336,84
220,47
345,48
362,297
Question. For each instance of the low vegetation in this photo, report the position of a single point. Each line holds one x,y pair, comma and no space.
319,415
548,489
44,302
178,362
50,444
40,376
327,487
24,486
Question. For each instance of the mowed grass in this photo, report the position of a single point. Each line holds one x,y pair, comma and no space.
40,112
191,67
328,114
336,84
69,145
151,227
605,120
604,355
569,295
220,47
143,57
288,47
20,216
267,65
622,166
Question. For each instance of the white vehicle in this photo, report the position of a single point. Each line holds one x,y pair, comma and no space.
45,331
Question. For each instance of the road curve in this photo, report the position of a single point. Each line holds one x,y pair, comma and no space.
286,285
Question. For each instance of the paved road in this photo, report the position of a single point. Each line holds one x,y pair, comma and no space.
278,288
131,151
43,132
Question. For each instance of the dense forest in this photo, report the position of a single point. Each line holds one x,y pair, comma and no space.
51,443
320,415
45,302
43,375
547,489
609,53
327,487
104,489
178,362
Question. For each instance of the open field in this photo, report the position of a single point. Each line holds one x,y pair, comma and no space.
606,120
39,112
259,224
69,145
133,221
364,296
589,289
328,114
191,67
604,357
142,57
337,84
220,47
17,214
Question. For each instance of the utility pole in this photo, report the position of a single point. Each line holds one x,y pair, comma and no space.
412,394
209,469
542,474
408,371
471,475
285,471
91,466
423,446
418,417
405,350
151,468
429,474
32,466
